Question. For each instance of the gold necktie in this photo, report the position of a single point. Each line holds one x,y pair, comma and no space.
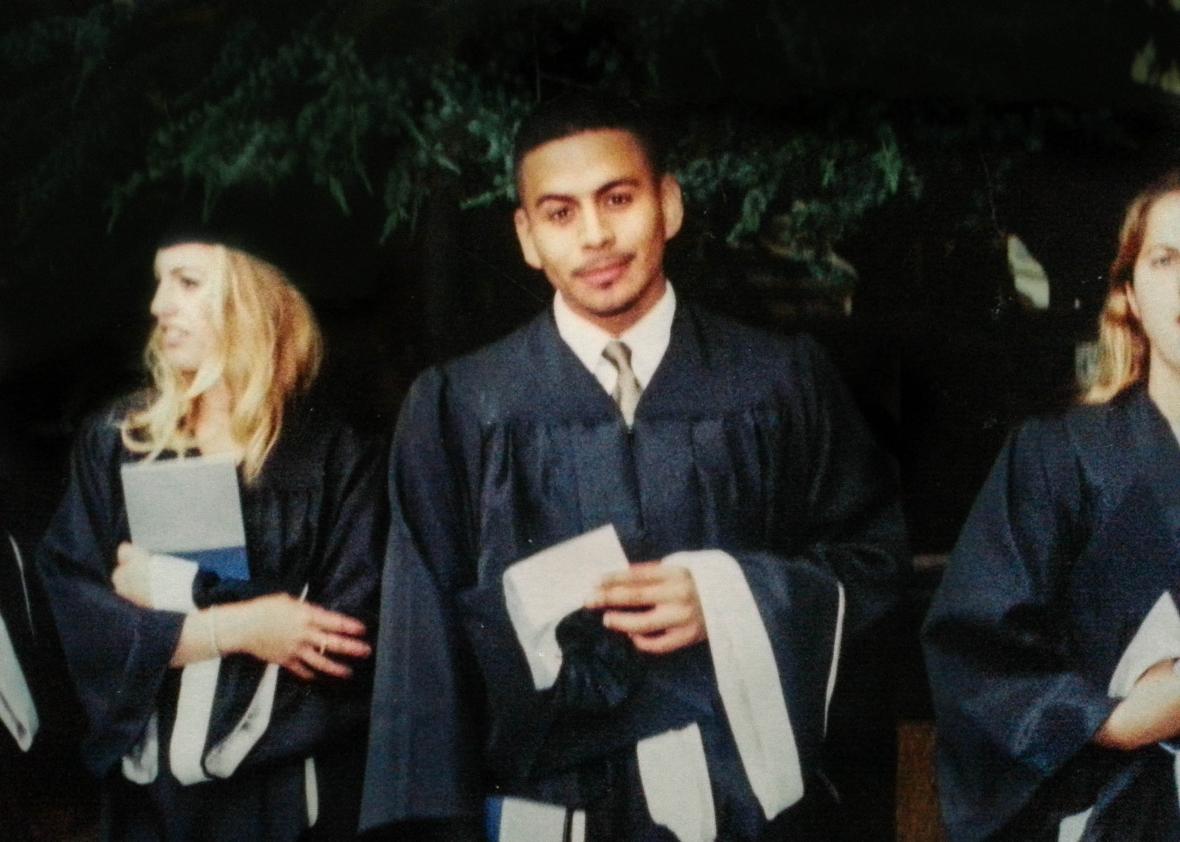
627,389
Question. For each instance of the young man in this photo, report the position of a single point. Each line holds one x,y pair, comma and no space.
527,674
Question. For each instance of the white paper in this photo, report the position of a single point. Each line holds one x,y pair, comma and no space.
184,506
542,589
1157,639
171,583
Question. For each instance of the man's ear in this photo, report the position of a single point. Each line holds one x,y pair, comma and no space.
672,202
524,235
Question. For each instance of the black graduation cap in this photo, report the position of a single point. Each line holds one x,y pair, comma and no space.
282,228
244,220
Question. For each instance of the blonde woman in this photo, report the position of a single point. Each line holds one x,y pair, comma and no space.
275,752
1052,644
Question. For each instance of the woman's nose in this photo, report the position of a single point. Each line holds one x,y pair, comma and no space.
162,302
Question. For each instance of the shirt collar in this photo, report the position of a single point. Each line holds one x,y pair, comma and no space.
648,338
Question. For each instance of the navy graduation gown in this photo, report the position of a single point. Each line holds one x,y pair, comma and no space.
1073,539
313,517
32,782
742,442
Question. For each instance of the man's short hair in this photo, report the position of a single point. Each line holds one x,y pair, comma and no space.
576,112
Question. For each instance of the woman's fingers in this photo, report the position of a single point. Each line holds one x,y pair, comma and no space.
303,637
333,621
321,663
327,636
337,644
296,666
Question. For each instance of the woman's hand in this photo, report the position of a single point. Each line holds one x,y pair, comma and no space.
132,576
1150,712
296,635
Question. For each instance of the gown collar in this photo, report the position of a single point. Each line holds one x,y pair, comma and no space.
647,338
1157,453
681,385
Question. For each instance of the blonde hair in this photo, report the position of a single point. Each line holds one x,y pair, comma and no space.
268,351
1122,344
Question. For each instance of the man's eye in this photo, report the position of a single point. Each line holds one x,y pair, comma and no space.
189,283
617,199
558,214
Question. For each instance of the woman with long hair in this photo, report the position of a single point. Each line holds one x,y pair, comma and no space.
219,706
1053,641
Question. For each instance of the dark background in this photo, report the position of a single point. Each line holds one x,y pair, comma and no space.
909,137
1002,119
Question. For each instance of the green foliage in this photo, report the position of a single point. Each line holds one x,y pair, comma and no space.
128,99
823,180
85,37
302,111
314,110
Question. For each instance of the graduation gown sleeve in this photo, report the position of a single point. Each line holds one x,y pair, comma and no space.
118,654
1015,715
835,517
423,772
845,510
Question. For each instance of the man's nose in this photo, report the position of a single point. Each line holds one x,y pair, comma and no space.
596,230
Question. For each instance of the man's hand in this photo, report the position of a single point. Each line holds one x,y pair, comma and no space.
654,604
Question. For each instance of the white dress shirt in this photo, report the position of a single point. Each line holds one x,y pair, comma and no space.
648,340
